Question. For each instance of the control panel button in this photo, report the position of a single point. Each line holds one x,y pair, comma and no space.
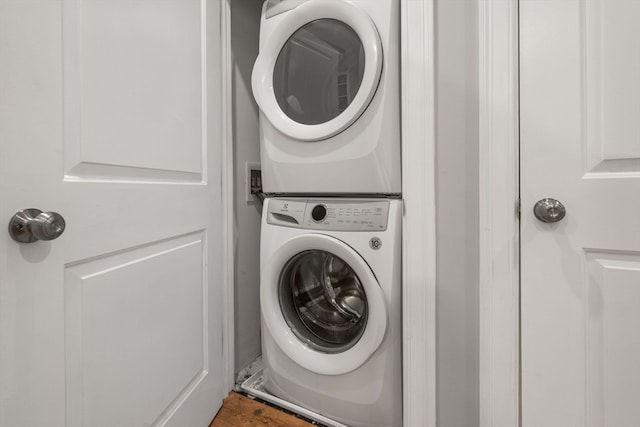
318,213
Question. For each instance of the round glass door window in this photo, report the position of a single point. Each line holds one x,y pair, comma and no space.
323,301
318,71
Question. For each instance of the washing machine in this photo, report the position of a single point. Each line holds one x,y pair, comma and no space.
326,81
330,294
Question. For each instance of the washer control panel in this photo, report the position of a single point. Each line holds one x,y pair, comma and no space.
329,214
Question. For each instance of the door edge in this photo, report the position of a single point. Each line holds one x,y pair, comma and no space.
228,336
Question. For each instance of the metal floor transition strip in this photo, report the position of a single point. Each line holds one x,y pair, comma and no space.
254,386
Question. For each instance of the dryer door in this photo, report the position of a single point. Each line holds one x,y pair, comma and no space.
322,304
318,70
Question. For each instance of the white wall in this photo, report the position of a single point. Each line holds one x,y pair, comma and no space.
457,213
245,22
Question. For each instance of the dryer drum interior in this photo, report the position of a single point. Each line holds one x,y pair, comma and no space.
319,71
323,301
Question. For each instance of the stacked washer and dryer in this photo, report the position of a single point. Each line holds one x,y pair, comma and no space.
327,84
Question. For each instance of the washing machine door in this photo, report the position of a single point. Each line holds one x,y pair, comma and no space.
322,304
318,69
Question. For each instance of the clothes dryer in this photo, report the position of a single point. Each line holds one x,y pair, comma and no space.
331,307
327,84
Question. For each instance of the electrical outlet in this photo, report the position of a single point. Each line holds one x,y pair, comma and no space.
252,180
255,177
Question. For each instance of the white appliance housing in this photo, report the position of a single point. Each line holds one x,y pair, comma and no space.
330,294
327,84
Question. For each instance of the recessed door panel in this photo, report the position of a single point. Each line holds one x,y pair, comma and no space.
135,322
611,69
134,89
613,347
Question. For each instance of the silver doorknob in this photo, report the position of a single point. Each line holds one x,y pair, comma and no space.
30,225
549,210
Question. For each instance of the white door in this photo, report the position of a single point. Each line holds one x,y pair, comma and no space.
580,144
110,114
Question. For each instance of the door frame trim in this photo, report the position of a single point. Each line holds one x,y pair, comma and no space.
419,224
228,200
499,224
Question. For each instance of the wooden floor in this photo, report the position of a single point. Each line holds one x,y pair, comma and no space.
240,411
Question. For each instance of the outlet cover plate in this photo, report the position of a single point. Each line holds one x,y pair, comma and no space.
248,167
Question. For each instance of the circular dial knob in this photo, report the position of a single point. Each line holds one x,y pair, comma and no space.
318,213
